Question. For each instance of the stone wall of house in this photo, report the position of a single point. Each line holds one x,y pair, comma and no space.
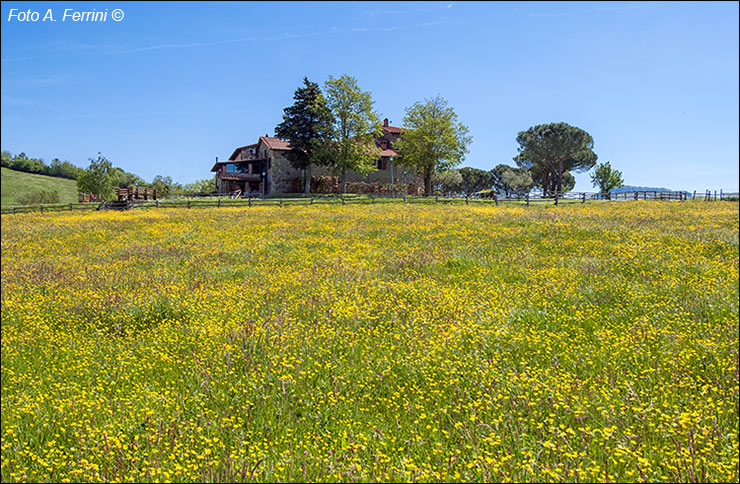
283,178
382,177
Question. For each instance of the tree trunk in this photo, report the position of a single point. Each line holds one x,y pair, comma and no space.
546,183
560,177
307,185
344,180
427,184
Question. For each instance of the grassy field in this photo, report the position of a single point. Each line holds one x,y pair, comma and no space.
593,342
17,183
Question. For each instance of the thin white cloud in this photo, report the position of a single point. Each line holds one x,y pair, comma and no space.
107,49
182,46
285,36
389,12
589,10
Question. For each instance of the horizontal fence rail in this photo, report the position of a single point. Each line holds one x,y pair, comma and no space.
356,199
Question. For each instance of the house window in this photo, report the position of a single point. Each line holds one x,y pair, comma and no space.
382,163
237,168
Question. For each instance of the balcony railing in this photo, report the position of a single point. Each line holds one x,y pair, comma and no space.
241,176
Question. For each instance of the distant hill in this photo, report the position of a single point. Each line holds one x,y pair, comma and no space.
18,183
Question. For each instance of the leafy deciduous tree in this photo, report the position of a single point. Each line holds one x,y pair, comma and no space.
433,139
519,182
206,185
356,126
164,185
126,179
99,178
606,178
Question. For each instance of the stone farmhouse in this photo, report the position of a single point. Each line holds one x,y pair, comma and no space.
263,169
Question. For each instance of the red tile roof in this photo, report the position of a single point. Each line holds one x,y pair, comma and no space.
275,143
389,152
393,129
236,151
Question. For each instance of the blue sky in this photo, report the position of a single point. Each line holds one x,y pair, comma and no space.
173,85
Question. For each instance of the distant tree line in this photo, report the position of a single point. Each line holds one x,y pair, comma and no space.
21,162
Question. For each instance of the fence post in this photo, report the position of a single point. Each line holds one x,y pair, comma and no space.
42,208
219,203
436,198
404,198
527,199
281,203
495,199
249,201
466,199
720,194
311,201
188,203
372,199
556,199
342,197
70,207
157,203
14,209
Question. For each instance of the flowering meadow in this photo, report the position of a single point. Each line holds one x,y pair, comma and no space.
594,342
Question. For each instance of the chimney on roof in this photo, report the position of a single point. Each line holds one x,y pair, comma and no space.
385,123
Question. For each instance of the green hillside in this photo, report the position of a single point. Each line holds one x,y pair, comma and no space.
17,183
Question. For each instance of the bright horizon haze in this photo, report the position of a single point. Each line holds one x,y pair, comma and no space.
172,86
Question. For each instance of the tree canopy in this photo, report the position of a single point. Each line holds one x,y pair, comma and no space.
433,139
519,182
548,151
21,162
606,178
307,125
165,185
447,182
474,180
356,125
510,180
206,185
100,178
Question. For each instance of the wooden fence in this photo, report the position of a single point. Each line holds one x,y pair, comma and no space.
558,199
